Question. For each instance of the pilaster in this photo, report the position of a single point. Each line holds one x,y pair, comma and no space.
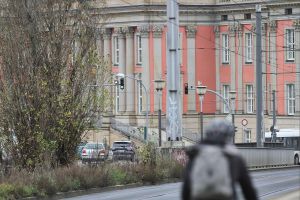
129,68
232,37
191,66
218,56
144,31
239,88
296,24
273,56
157,30
119,31
106,36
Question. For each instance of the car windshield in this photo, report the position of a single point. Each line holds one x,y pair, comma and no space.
94,146
121,144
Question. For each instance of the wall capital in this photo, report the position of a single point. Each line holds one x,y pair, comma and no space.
273,26
157,30
106,33
217,30
191,31
128,31
234,28
296,24
144,30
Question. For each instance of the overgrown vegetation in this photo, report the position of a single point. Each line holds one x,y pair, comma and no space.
47,182
49,59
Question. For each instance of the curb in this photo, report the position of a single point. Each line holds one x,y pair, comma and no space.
274,167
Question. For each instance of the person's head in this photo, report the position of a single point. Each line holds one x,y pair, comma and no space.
219,131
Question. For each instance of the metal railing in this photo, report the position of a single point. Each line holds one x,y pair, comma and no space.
133,132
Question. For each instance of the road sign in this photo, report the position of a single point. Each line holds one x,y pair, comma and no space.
244,122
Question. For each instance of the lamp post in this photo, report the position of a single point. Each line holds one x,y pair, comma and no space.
232,96
159,85
121,75
201,90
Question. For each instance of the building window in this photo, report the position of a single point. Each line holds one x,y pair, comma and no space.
290,44
139,49
248,47
225,49
224,17
117,98
291,99
140,94
180,49
247,137
288,11
250,98
226,97
116,50
247,16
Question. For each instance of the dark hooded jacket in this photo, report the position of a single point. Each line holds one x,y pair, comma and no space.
238,169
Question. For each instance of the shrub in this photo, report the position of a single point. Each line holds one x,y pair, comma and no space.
6,191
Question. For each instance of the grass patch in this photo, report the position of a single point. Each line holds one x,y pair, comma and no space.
47,182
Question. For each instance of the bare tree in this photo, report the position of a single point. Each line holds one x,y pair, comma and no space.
48,61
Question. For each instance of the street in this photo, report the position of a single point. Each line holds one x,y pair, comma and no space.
269,183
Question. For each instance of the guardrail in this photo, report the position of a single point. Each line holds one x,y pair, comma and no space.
266,157
254,157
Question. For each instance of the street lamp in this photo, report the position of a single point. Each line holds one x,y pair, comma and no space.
159,85
201,90
232,96
121,75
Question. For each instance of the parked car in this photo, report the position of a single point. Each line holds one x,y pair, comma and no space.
93,152
123,150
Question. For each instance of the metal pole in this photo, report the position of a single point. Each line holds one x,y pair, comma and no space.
201,118
174,127
159,120
274,117
259,110
232,116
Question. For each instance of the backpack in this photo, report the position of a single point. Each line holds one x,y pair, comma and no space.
210,174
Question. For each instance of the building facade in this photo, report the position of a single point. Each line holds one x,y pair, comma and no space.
217,45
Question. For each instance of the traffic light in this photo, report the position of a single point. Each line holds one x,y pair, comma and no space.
122,84
186,88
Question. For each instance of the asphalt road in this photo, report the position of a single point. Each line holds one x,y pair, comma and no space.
269,184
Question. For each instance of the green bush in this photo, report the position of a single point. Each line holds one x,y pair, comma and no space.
6,191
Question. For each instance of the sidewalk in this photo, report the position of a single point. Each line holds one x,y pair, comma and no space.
289,196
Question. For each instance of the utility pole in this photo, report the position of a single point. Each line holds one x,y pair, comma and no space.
273,138
174,128
259,94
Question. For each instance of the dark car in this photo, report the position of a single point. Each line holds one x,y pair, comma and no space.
123,150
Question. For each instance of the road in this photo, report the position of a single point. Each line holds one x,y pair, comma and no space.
269,184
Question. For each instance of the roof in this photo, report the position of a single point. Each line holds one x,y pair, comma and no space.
285,133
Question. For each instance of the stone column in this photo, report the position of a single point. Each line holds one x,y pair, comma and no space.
264,67
99,43
191,66
157,34
106,35
273,59
296,24
239,88
219,102
122,66
106,55
232,34
144,31
254,65
129,68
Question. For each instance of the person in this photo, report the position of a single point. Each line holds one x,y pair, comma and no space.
219,133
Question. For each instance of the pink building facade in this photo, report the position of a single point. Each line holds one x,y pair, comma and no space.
217,47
